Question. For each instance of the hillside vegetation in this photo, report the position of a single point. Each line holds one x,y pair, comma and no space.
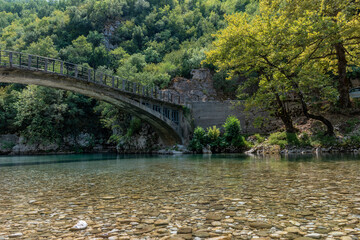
145,41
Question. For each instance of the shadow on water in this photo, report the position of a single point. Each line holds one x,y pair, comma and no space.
325,157
11,161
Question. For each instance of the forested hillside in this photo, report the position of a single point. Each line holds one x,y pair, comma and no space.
146,41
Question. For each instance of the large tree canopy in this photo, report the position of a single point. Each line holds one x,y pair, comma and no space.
290,52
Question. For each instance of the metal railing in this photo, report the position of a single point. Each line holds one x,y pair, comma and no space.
27,61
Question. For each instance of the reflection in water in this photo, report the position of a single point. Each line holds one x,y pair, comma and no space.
218,195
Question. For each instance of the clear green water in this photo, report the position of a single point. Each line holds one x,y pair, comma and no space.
43,196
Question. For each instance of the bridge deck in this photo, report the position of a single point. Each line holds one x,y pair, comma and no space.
162,109
27,61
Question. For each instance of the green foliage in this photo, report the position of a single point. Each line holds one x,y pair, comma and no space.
259,138
283,139
198,141
8,98
44,47
7,145
232,132
351,124
213,133
320,139
135,126
290,46
231,140
227,86
352,141
153,41
46,115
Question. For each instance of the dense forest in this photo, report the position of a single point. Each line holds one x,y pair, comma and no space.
146,41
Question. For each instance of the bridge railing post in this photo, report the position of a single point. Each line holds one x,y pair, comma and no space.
76,71
117,82
134,88
10,59
89,75
29,62
46,64
123,84
158,93
61,67
101,78
105,77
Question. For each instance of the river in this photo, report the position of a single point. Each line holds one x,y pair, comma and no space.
180,197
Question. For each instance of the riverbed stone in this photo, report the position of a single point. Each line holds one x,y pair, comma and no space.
260,225
214,217
184,230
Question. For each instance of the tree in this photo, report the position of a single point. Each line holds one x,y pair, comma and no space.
79,52
40,114
337,27
276,47
44,47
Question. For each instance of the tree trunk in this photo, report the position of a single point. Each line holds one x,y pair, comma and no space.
344,81
284,115
328,124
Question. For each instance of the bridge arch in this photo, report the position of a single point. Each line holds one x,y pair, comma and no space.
162,110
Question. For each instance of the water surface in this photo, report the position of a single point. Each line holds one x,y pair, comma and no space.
124,197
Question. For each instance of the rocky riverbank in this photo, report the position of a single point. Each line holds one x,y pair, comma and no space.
261,150
12,144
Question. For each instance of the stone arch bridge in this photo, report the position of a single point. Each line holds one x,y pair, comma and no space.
163,110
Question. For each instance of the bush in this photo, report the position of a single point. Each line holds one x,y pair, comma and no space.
283,139
258,138
232,127
232,132
213,138
213,133
198,141
352,141
135,126
321,139
351,124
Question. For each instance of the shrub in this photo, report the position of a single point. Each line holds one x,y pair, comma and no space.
214,138
283,139
213,133
258,138
352,141
321,139
232,132
135,125
198,141
351,124
199,134
232,127
278,138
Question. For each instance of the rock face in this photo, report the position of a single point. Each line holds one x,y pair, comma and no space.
7,142
17,145
199,88
144,141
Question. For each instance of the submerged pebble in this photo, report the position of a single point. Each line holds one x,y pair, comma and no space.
182,198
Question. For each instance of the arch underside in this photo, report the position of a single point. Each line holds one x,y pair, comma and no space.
168,131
